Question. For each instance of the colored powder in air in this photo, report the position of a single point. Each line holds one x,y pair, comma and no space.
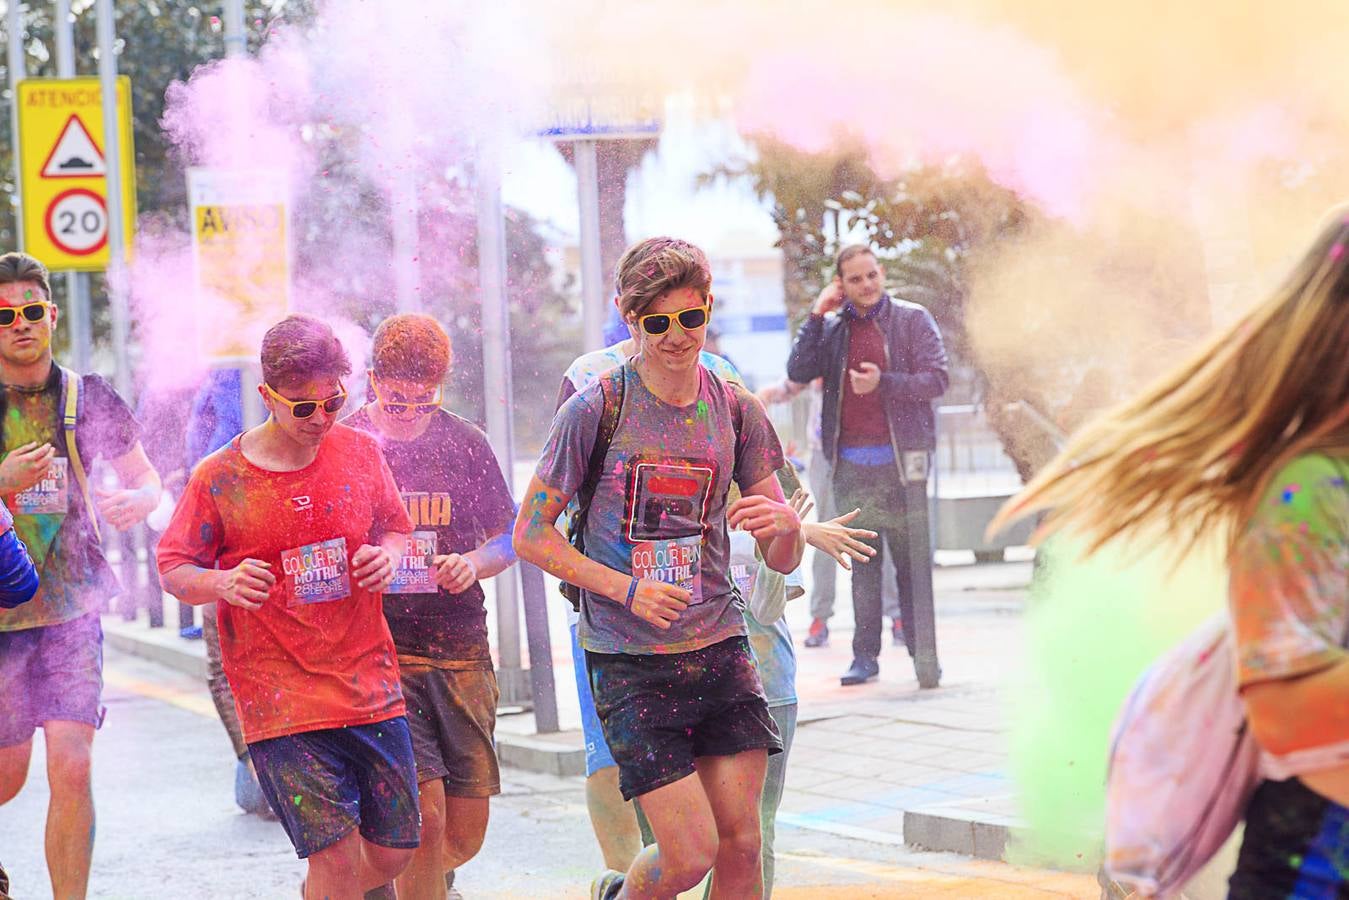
1092,626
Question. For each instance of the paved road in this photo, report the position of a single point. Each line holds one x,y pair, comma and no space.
168,828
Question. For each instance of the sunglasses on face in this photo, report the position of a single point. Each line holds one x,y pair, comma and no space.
31,312
401,408
303,409
690,319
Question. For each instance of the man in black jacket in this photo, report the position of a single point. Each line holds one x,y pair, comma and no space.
883,363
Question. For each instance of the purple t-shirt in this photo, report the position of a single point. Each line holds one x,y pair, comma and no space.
454,491
659,509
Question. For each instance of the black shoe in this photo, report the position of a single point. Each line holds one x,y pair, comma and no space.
818,636
861,671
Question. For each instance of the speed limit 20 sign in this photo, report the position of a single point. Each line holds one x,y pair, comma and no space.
64,171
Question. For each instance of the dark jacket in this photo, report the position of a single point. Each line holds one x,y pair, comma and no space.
914,376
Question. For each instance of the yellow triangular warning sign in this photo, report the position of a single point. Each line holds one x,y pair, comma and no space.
75,154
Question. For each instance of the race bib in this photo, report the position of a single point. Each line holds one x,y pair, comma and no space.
674,561
49,495
318,572
744,563
414,574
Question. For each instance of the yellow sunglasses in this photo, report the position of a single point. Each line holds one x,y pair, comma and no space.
31,312
690,319
303,409
399,408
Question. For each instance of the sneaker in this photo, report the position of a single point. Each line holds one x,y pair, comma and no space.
897,634
860,672
818,636
607,885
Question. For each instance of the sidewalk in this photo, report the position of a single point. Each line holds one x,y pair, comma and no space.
891,763
883,762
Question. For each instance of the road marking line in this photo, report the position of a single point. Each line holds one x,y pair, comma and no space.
812,823
192,701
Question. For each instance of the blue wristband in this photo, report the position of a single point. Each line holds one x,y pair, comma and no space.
632,592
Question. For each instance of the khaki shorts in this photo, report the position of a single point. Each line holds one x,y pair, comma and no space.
452,714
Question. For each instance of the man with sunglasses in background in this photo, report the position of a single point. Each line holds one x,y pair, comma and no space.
675,687
56,423
456,495
294,530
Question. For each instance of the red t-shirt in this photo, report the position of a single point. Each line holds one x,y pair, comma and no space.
862,416
318,653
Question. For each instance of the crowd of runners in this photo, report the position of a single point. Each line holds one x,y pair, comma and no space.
340,553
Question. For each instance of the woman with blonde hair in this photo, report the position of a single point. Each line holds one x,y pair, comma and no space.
1249,441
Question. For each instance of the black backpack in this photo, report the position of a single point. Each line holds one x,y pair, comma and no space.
613,385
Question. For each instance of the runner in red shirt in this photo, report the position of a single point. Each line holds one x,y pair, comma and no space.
293,529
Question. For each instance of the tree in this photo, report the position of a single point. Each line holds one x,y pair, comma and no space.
801,187
614,161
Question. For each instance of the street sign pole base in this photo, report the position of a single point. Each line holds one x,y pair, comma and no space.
918,536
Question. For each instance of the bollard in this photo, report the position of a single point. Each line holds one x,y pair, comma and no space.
914,468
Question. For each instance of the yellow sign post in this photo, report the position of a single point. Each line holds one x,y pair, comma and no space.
64,174
241,248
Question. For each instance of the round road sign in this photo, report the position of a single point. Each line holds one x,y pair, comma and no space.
77,221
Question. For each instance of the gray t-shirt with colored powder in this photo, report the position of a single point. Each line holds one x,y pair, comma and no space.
659,509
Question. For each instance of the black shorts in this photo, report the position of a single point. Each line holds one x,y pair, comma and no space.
661,711
1294,845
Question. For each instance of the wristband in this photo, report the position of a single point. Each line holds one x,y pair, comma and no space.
471,566
632,592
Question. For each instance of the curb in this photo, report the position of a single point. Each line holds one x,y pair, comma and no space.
959,830
560,754
160,645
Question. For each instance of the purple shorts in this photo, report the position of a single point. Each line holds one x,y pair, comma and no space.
50,673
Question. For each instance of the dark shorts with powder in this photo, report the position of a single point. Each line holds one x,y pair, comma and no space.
50,673
325,784
661,711
452,713
1294,846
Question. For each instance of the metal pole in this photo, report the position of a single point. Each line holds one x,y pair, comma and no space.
496,376
497,399
112,135
914,466
592,267
236,42
77,283
18,70
406,270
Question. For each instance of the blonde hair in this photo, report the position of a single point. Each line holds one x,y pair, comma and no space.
1196,450
654,267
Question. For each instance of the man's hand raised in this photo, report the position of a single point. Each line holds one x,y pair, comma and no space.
830,299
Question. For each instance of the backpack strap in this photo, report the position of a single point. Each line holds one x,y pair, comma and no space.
70,388
613,386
